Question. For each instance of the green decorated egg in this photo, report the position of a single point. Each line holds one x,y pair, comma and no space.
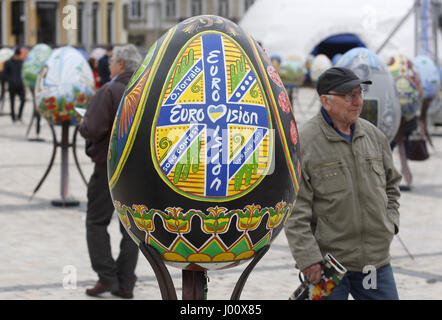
203,160
292,72
34,62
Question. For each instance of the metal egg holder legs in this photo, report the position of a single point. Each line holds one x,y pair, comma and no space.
36,116
65,145
3,90
194,282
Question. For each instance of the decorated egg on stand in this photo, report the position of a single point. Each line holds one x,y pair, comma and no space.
435,109
319,64
64,83
34,62
276,61
5,54
203,160
428,74
381,100
408,85
335,58
292,72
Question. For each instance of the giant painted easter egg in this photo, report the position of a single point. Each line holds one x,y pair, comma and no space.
320,63
429,75
408,85
292,72
204,159
381,100
64,83
34,62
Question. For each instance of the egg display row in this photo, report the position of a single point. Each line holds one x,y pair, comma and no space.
204,161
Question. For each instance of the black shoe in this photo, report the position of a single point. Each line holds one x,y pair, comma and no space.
100,288
125,294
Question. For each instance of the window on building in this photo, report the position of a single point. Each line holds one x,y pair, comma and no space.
248,4
135,8
95,21
223,8
196,7
46,22
110,22
170,8
1,23
18,21
80,10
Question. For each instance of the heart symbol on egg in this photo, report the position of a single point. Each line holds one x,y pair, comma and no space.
216,112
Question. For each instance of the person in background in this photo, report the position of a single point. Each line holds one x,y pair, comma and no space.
12,72
115,276
347,203
103,66
3,81
94,68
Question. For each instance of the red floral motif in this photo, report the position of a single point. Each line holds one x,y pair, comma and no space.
274,75
50,103
329,286
68,106
284,102
293,132
56,117
81,98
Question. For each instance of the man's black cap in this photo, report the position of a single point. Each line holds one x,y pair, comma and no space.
338,79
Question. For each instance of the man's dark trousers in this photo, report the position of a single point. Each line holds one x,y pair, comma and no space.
99,214
20,91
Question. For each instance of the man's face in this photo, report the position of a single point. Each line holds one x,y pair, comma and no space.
344,108
116,67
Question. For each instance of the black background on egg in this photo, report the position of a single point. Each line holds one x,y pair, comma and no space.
139,182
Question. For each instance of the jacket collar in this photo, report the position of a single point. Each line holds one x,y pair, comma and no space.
331,133
122,76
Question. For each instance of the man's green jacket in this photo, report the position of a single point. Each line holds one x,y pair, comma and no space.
347,204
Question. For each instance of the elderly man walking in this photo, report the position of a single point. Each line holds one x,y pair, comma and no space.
348,200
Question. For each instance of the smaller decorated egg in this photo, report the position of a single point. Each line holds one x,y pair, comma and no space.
65,82
381,100
292,72
429,75
5,54
319,64
335,58
408,85
35,60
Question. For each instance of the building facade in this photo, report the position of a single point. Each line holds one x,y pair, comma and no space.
149,19
86,23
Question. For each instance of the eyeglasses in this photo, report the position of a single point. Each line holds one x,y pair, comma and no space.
349,97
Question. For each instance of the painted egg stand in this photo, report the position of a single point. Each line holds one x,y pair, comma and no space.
32,66
65,143
64,84
194,282
203,160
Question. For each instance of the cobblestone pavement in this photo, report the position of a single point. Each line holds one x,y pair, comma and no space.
43,247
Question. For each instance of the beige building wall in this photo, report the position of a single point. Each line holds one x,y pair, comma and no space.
64,36
10,38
